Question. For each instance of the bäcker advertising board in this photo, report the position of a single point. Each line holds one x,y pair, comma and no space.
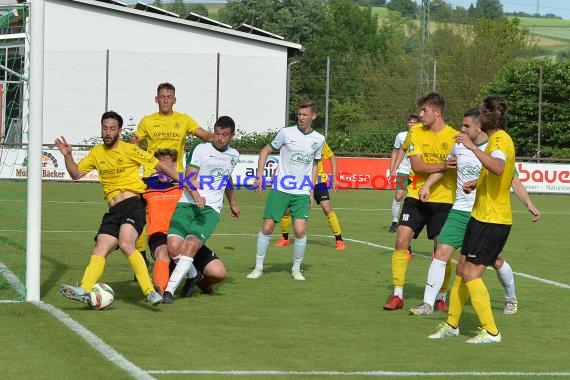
353,172
15,165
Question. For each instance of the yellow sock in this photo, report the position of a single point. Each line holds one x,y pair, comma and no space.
93,272
141,272
140,244
447,277
285,223
399,267
333,223
482,305
458,295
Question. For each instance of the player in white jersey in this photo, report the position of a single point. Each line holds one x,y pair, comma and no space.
399,170
300,148
208,168
451,236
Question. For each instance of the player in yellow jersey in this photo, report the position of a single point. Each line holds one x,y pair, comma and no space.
118,164
322,197
166,129
428,145
490,224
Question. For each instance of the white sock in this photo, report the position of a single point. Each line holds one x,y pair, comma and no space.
436,274
299,251
262,244
507,279
399,291
395,210
192,272
441,296
180,270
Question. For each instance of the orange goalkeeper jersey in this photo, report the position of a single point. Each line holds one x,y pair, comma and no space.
160,205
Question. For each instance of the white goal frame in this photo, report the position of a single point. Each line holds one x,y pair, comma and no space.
36,105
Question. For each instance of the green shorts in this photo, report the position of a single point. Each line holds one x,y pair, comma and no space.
402,181
189,219
453,230
278,202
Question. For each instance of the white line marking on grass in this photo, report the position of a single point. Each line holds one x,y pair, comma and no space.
363,242
524,275
545,281
356,373
12,279
94,341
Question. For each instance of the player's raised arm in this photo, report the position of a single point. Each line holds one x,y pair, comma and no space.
70,164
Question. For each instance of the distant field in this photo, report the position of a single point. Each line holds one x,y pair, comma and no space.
213,9
544,22
381,12
548,33
558,33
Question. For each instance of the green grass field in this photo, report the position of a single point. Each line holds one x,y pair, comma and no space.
330,326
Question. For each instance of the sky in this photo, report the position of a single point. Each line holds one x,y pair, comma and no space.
558,7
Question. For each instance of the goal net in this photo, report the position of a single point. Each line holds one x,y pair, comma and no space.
13,124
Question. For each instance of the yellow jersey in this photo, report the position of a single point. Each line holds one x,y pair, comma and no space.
119,168
493,198
166,132
322,176
433,148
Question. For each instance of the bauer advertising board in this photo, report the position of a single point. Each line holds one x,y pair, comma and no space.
353,172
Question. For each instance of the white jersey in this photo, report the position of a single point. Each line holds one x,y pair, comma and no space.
297,153
214,172
405,165
468,168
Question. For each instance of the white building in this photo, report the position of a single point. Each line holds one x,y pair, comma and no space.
103,55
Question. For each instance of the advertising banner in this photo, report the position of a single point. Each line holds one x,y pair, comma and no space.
15,165
544,178
353,172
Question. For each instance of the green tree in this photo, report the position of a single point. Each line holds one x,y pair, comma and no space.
197,8
519,84
489,9
407,8
295,20
440,10
470,56
349,36
178,7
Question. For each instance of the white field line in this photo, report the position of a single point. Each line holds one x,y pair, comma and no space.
358,373
94,341
12,279
363,242
120,361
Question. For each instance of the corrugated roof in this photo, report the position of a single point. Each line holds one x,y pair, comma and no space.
247,32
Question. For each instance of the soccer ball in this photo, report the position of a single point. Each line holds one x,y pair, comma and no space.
102,296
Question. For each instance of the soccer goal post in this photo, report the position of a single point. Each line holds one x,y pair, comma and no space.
35,136
21,119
